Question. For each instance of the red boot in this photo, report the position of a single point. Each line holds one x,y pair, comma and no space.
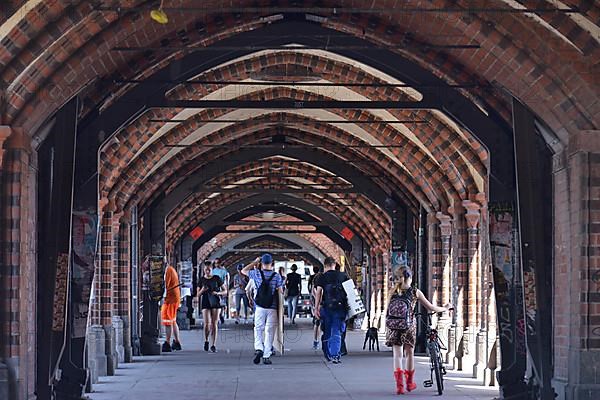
410,383
399,375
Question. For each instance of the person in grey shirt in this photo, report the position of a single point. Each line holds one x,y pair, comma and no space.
239,283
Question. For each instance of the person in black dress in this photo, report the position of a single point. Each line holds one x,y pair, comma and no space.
211,287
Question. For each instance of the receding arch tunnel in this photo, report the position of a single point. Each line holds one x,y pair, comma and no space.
461,139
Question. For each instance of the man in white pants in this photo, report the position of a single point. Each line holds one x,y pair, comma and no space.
265,301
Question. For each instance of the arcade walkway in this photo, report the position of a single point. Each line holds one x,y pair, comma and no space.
300,374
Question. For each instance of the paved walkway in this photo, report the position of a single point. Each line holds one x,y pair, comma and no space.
300,374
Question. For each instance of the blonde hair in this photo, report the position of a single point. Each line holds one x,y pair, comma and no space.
400,275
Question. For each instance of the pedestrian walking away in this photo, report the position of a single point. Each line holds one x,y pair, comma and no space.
168,311
401,326
293,284
331,308
211,287
268,284
316,322
240,282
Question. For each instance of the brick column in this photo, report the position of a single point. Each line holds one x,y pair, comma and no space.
434,246
18,263
576,308
472,218
443,324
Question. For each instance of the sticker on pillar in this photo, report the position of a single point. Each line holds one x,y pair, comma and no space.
347,233
196,233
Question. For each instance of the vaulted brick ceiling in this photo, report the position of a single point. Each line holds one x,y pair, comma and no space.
50,51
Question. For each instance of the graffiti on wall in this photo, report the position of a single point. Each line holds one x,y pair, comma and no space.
508,287
84,242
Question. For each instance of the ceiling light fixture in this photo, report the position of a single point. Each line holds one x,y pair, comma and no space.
159,15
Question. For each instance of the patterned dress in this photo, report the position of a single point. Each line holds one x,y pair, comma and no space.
400,337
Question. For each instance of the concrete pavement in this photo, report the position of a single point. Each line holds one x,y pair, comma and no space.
300,374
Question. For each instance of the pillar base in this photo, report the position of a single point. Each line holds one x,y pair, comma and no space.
443,327
4,384
459,348
112,358
117,324
149,345
480,356
128,349
96,352
469,348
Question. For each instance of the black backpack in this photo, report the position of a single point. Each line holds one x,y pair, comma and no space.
334,296
264,295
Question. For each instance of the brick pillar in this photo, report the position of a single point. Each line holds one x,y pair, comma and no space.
18,264
457,341
576,308
434,247
443,324
472,218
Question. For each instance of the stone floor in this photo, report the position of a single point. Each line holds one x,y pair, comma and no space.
300,374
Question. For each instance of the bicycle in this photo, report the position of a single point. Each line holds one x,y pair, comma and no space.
434,345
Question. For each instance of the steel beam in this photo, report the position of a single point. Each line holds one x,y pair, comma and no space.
293,104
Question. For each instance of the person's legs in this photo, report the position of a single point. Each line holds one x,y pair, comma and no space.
168,329
336,323
238,305
260,319
398,372
214,318
289,307
176,336
294,308
326,332
409,356
271,322
207,322
246,305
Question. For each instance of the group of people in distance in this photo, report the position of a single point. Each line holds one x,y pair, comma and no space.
257,285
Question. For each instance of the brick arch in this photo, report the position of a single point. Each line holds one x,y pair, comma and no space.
492,33
149,188
435,132
361,219
320,241
189,218
263,167
402,179
428,171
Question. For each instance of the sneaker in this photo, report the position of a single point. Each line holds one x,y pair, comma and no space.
166,347
267,361
213,349
336,360
257,356
237,321
205,346
316,345
176,345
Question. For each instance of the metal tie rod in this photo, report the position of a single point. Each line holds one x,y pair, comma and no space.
290,104
280,47
351,10
299,83
296,121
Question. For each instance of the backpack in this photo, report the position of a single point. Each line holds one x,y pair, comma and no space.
399,312
334,296
264,295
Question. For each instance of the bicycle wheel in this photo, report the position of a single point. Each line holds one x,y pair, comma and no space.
437,369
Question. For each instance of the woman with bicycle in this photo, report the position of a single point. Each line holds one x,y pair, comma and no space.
401,327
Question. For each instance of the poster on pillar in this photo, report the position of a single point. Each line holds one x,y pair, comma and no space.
508,289
157,271
84,244
185,277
